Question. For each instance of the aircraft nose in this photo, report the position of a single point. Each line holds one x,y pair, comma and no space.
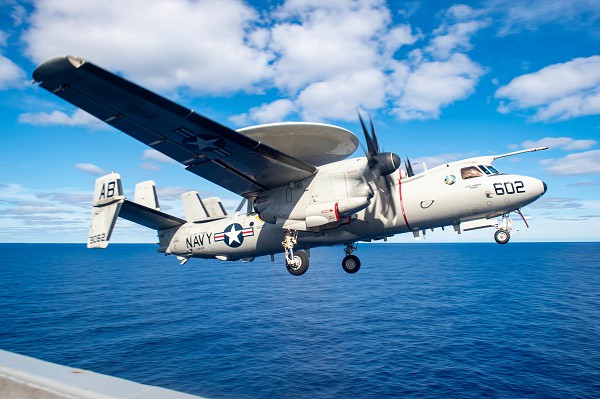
545,188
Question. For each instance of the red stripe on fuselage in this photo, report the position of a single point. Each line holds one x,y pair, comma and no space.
401,201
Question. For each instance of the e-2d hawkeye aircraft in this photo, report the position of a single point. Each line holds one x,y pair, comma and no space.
301,189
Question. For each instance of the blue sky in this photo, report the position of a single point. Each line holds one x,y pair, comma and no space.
442,80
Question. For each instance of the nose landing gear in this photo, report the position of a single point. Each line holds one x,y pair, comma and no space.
502,235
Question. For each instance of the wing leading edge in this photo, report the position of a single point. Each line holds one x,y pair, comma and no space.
232,160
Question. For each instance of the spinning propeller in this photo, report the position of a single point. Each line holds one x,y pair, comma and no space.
381,164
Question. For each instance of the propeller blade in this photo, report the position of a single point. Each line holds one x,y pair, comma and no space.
409,168
375,143
371,151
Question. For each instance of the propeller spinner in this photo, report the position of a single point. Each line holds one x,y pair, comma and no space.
381,163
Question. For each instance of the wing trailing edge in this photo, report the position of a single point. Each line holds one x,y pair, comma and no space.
208,149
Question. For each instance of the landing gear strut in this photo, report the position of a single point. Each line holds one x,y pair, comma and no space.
502,235
296,262
351,263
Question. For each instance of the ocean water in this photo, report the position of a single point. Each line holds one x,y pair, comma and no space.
417,321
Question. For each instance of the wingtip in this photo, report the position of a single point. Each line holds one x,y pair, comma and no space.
52,66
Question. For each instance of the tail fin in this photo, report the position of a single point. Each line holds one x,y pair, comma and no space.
108,199
109,203
145,194
199,210
193,207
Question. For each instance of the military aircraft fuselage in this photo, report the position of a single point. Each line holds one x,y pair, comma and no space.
339,206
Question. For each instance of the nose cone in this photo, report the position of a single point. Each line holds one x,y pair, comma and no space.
545,188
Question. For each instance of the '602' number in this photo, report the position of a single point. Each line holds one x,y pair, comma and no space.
509,188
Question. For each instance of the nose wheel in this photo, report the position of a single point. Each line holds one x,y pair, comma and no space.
351,263
502,236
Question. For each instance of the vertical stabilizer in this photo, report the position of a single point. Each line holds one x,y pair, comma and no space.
193,207
214,207
145,194
108,198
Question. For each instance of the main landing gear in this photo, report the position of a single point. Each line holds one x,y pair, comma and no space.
502,235
351,263
296,262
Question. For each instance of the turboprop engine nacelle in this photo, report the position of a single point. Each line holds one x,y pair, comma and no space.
319,214
338,190
312,215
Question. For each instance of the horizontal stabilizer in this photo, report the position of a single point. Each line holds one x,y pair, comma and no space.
148,217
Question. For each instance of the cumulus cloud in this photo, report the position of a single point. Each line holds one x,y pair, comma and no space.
436,84
90,169
11,75
587,162
564,143
338,97
325,58
276,111
200,45
58,118
156,156
556,92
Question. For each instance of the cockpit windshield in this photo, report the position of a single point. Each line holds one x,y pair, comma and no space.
470,172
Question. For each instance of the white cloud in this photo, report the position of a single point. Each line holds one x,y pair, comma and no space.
457,37
40,216
59,118
339,97
276,111
200,45
436,84
576,164
327,58
565,143
156,156
556,92
150,166
462,22
90,169
326,39
516,15
10,74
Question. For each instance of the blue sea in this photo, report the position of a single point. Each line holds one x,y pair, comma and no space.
417,321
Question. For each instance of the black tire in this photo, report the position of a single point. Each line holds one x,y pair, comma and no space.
351,264
502,236
301,265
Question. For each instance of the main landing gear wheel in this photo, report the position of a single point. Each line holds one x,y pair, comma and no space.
299,264
502,236
351,264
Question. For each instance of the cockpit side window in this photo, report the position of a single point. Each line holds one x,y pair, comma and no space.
487,172
492,169
470,172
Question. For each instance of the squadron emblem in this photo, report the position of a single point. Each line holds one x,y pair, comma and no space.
450,179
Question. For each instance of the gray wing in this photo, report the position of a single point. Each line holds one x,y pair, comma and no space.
208,149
